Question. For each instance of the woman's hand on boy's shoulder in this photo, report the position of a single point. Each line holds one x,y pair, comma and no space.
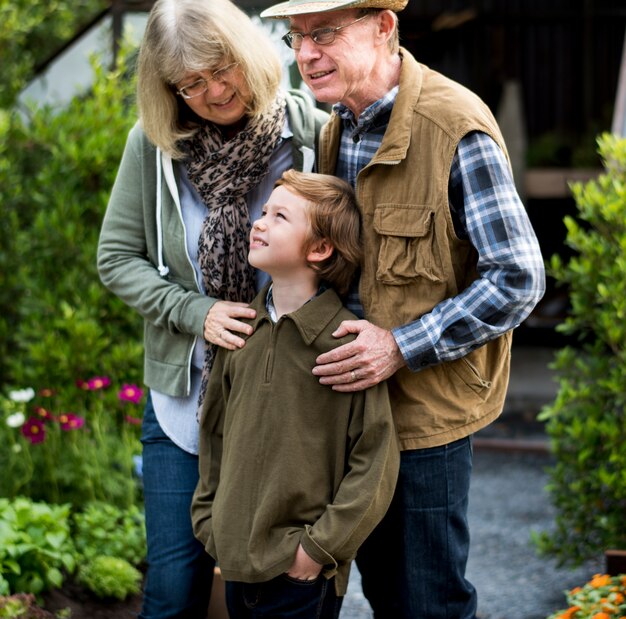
222,324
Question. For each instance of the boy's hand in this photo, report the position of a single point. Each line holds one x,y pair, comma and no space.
303,567
221,324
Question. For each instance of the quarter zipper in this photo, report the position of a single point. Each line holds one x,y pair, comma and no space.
271,349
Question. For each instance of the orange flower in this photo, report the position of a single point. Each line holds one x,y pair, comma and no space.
601,616
600,580
618,598
569,613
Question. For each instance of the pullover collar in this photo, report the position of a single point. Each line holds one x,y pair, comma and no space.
311,319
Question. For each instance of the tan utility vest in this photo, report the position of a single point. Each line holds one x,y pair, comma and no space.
413,258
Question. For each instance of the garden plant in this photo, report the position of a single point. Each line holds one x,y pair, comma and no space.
74,348
41,545
603,597
36,547
586,423
31,31
70,352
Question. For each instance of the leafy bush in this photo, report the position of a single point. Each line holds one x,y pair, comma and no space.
110,577
24,606
58,456
41,544
35,546
57,168
58,324
31,31
602,597
586,423
103,529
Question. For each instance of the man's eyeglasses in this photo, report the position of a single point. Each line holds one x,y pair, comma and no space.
321,36
202,85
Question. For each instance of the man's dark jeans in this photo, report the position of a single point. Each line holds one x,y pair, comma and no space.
413,564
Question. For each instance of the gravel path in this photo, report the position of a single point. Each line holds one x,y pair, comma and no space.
507,502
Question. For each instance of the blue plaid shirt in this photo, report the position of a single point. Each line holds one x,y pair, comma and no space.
487,210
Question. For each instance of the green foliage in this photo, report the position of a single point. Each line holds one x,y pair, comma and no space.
30,32
604,596
58,456
58,324
61,323
24,606
40,544
103,529
35,546
56,170
586,422
110,577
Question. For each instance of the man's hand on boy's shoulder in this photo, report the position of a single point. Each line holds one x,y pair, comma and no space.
371,358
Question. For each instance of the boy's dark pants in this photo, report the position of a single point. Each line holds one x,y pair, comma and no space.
283,598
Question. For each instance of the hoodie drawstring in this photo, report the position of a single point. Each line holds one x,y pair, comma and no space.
163,270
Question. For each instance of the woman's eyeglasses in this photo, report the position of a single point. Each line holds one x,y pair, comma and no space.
200,86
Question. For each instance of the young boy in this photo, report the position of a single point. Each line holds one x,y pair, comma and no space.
293,475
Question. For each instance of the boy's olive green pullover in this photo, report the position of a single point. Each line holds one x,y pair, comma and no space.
285,460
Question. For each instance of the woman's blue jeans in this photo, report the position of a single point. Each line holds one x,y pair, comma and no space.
180,572
413,564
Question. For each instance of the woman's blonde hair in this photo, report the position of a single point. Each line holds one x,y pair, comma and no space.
333,215
198,35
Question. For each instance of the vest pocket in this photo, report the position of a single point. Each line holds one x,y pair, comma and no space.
471,376
408,244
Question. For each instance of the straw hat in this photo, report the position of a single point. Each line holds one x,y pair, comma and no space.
297,7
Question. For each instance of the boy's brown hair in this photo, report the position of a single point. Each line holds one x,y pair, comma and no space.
334,215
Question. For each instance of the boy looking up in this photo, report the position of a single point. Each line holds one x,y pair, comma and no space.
293,475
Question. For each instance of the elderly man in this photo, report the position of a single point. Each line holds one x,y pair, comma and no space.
451,266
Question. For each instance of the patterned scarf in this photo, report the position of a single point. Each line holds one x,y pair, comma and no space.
222,174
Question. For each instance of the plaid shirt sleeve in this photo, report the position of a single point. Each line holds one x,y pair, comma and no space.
488,211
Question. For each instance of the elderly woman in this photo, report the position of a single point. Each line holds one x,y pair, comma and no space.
214,134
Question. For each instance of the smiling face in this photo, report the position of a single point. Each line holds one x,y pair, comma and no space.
279,237
351,69
225,102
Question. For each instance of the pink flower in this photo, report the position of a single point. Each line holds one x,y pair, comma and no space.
34,430
70,421
98,382
82,384
130,393
135,421
46,392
